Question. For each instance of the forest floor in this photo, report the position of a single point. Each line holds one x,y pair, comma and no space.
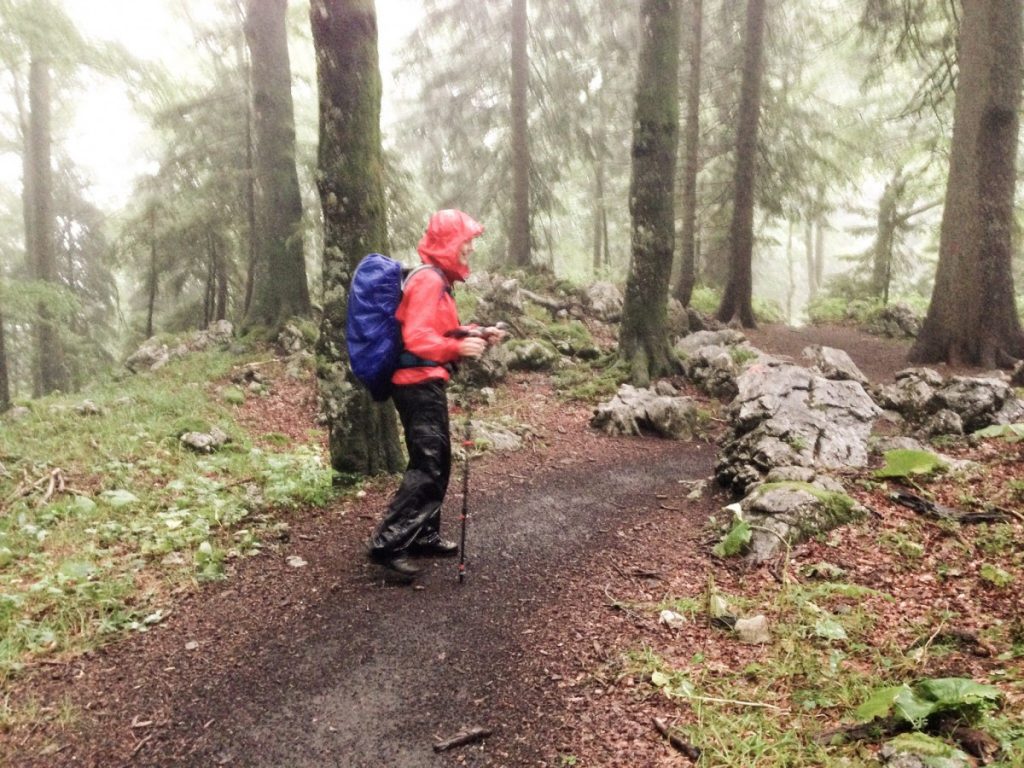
553,642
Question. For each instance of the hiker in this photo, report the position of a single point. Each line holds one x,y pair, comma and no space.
434,343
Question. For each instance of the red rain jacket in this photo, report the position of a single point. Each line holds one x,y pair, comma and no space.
427,311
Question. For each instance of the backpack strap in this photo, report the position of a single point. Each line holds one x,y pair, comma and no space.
419,268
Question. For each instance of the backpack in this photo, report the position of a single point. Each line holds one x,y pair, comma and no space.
372,332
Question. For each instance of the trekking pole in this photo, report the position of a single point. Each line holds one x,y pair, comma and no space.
467,444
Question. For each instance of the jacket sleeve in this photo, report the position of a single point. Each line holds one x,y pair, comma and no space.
426,313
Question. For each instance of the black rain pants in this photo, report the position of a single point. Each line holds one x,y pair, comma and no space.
415,509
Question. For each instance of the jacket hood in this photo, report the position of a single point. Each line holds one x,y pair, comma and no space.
446,232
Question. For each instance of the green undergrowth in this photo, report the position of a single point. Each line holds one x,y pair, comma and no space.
829,664
139,515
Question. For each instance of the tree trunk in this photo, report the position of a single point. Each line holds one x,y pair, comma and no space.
49,370
691,139
519,241
737,301
882,252
5,382
279,282
153,274
209,294
363,435
600,215
643,340
820,227
249,182
220,306
972,318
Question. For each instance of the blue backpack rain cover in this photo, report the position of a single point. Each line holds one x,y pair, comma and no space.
372,332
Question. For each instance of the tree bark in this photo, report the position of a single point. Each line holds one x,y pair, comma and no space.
49,372
280,289
520,239
691,140
154,274
882,253
249,178
737,301
363,435
5,379
643,339
972,318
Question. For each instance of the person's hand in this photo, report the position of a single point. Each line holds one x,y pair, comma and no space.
472,346
494,334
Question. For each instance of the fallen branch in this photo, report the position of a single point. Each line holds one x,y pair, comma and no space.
877,730
465,736
943,513
677,743
56,485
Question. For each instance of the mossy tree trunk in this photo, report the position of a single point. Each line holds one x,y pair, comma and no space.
737,301
363,435
280,289
972,318
520,239
49,370
643,340
691,143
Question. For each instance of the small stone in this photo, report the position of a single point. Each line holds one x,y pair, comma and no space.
295,561
753,631
671,619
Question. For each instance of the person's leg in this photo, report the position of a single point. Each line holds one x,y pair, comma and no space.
423,409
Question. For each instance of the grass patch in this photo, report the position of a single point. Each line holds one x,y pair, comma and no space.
140,514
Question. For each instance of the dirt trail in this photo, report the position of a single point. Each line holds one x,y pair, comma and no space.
335,666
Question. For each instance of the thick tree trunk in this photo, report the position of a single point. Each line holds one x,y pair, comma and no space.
812,271
643,340
691,140
363,435
519,241
49,373
280,289
220,306
737,301
972,318
249,184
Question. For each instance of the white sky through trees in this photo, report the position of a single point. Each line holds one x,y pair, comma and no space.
106,137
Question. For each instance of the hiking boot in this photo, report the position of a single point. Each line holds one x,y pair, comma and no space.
397,563
432,545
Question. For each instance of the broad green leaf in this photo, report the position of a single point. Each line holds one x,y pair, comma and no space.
951,692
119,497
913,709
77,570
830,629
881,702
659,679
83,505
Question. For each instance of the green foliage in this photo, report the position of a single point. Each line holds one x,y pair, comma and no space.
903,463
706,299
145,511
735,541
590,382
1011,433
995,575
964,698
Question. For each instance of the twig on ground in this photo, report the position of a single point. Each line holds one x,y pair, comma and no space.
677,743
465,736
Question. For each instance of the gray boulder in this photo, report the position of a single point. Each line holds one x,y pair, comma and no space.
633,411
834,364
604,301
787,415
